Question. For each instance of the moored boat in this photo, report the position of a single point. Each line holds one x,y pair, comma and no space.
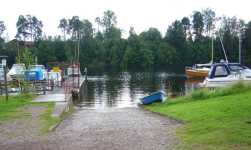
153,97
223,74
198,71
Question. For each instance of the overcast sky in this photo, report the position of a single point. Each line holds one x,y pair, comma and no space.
141,14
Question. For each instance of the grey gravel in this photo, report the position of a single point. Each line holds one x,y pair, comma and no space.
22,129
106,129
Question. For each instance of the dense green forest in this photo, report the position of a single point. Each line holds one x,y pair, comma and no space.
186,41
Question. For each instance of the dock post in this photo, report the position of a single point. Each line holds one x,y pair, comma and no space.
6,82
85,71
4,64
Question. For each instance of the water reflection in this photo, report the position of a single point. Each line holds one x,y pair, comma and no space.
124,89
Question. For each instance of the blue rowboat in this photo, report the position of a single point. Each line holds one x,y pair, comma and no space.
153,97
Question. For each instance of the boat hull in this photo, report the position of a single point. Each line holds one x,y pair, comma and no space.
225,74
192,73
213,83
154,97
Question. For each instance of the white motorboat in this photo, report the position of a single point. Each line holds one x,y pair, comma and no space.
223,74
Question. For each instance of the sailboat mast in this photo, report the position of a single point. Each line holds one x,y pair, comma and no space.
212,59
240,48
223,49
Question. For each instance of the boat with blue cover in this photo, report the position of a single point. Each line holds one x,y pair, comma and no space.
35,73
223,74
153,97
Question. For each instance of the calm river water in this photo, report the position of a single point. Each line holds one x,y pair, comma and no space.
124,89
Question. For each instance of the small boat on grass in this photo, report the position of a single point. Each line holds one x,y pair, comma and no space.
158,96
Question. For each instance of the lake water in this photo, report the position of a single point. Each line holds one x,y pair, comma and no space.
124,89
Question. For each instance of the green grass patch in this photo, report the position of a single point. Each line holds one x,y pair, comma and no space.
216,119
13,109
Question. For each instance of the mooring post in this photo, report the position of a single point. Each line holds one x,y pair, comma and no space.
4,64
85,71
5,83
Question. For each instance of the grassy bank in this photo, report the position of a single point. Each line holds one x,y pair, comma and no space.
219,119
14,109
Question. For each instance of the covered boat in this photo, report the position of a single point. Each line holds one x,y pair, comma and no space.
17,71
223,74
36,72
153,97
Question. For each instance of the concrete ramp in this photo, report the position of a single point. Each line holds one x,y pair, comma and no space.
59,108
50,98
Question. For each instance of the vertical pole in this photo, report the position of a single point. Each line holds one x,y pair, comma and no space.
78,75
73,76
78,48
18,52
1,89
240,48
223,49
212,59
85,73
75,50
5,83
36,60
78,60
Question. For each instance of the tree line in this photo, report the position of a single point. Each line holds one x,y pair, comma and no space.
187,41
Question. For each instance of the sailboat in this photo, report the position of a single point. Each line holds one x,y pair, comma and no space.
225,73
200,70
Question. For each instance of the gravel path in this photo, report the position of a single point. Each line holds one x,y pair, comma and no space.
108,129
22,129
